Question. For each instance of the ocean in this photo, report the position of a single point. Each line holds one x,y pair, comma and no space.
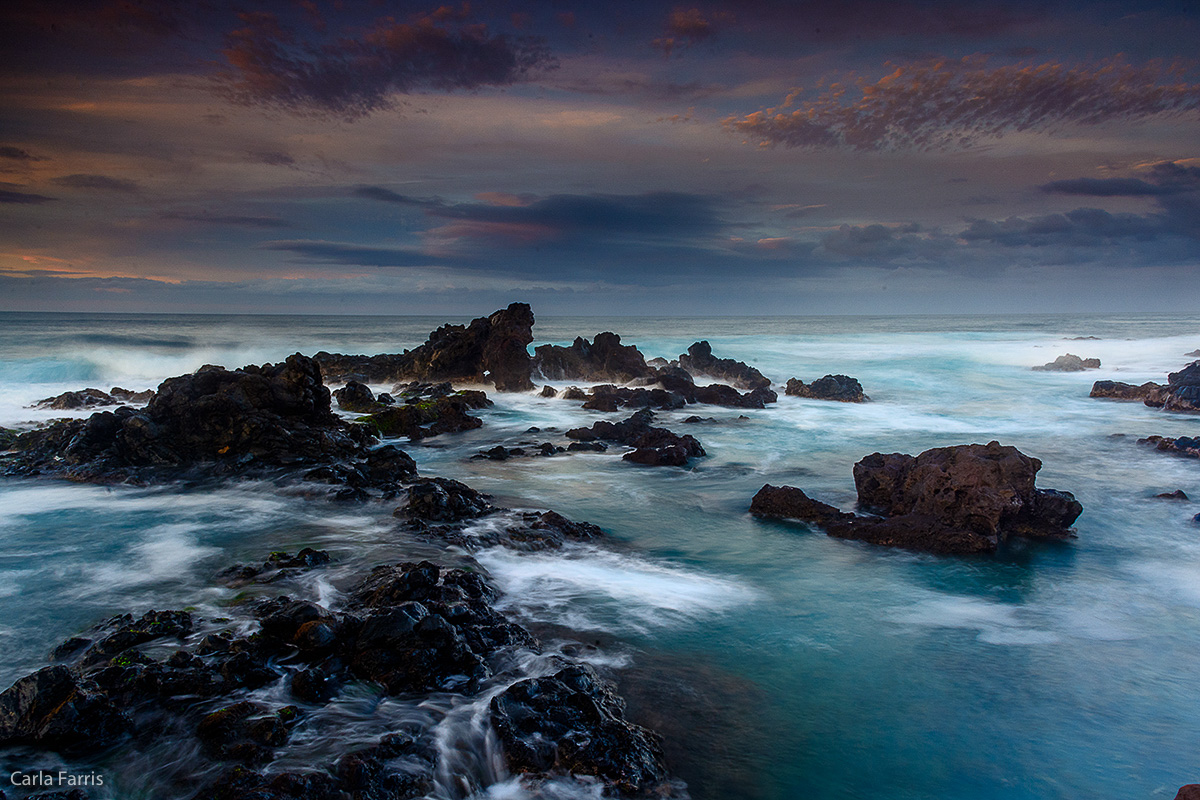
776,662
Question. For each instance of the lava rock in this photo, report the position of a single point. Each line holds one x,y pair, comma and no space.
54,709
1182,392
355,397
1069,363
491,349
603,359
699,360
1178,494
840,388
1186,446
653,446
572,723
445,500
1116,390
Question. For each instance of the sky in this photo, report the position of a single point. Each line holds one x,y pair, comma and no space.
643,158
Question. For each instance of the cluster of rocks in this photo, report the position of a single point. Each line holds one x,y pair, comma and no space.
92,398
961,499
603,359
409,628
1188,446
419,410
1069,363
699,360
490,349
840,388
1181,392
652,446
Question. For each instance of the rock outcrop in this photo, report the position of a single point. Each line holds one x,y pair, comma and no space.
1069,363
962,499
1116,390
840,388
653,446
699,360
425,410
603,359
93,398
1182,392
1187,446
490,349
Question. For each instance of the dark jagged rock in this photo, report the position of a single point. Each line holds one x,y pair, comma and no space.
840,388
1187,446
1069,363
1182,392
84,398
718,394
587,447
1116,390
444,500
607,397
531,531
269,415
54,709
653,446
604,359
548,391
241,783
120,633
1189,792
355,397
1193,354
491,349
279,565
428,411
1178,494
699,360
502,453
963,499
245,731
572,723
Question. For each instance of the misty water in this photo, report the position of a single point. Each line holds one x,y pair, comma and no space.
776,662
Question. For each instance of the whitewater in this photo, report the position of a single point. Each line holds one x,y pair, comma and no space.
775,661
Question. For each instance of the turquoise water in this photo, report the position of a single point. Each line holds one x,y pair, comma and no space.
779,663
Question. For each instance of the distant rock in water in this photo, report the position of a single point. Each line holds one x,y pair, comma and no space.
1116,390
1069,363
841,388
92,398
655,447
1193,354
604,359
699,360
961,499
1182,392
1082,338
491,349
1178,494
1187,446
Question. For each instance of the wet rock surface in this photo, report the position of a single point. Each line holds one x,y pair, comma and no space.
490,349
699,360
962,499
1186,446
653,446
424,410
1069,363
1182,392
1117,390
91,398
602,359
840,388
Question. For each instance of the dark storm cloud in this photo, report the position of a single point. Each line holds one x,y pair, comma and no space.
1108,187
102,183
387,196
18,154
273,158
953,104
839,20
22,198
356,75
883,243
354,254
1087,227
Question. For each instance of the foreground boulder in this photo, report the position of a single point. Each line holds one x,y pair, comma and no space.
572,723
603,359
841,388
1182,392
1117,390
490,349
699,360
962,499
654,447
54,709
1069,363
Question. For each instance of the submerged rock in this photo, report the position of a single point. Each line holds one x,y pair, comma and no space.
603,359
490,349
1069,363
1187,446
699,360
962,499
841,388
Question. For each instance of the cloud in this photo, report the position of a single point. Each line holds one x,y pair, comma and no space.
1083,227
685,27
354,254
102,183
225,219
356,76
386,196
1107,187
22,198
18,154
273,159
944,105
